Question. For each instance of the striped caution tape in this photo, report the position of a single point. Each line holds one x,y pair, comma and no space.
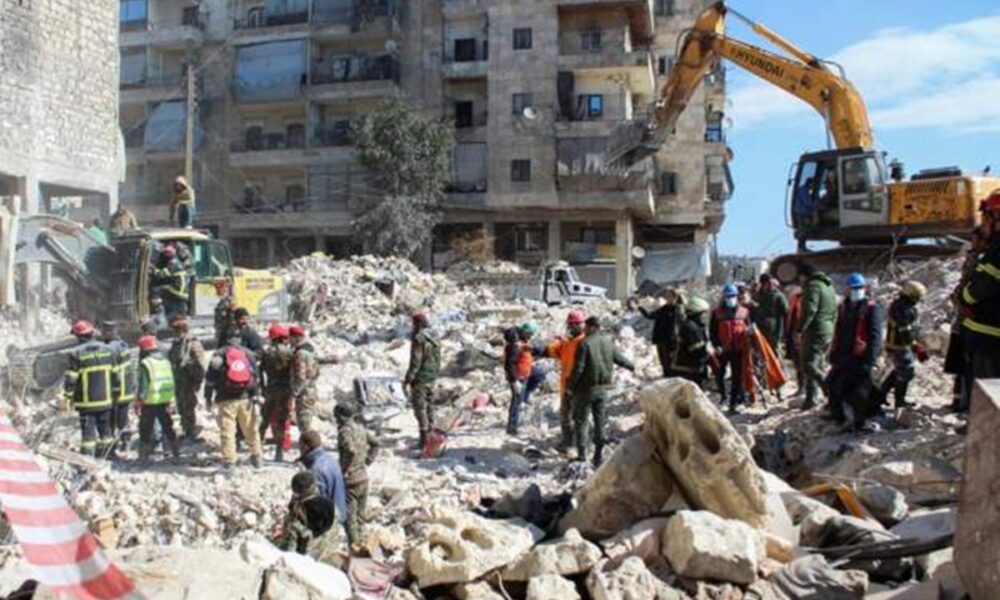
63,554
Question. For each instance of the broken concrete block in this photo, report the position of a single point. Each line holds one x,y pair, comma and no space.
703,545
478,590
884,502
570,555
818,533
641,539
930,564
630,580
801,507
460,547
550,587
709,459
631,485
811,577
299,576
924,478
927,524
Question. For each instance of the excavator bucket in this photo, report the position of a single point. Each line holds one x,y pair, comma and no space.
632,142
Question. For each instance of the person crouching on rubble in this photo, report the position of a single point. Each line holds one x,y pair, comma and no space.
857,344
902,342
528,375
425,364
565,349
156,399
310,525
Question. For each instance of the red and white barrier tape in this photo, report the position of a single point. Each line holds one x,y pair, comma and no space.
63,554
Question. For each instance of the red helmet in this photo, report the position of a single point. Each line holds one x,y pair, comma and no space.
147,342
296,331
82,328
421,315
169,251
277,331
575,317
992,203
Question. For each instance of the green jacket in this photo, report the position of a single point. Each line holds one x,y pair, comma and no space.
356,448
770,309
425,359
595,362
819,306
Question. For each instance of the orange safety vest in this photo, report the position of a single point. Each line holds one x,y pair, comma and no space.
525,361
794,312
860,343
565,350
732,331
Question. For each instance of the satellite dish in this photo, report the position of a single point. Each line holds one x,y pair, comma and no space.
391,46
638,252
530,113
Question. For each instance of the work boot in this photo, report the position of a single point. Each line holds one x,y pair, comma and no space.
144,455
279,453
175,449
598,456
255,461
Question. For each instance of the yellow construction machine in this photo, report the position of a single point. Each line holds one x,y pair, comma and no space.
847,194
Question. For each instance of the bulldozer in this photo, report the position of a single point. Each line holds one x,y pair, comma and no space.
113,282
847,194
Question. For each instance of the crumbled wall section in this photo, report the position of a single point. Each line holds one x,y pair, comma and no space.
59,85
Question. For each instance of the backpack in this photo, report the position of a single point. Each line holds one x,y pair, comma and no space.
239,373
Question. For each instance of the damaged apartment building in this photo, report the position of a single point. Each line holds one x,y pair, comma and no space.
534,89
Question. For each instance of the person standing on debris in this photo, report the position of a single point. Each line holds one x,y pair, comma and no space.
122,221
815,332
356,447
902,341
592,376
425,363
170,282
509,359
729,324
276,367
182,206
565,349
326,470
305,372
187,358
156,399
666,321
769,310
793,350
690,358
88,385
249,338
528,375
232,381
309,527
979,302
125,392
857,344
225,320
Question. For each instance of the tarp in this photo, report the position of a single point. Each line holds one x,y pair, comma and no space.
270,71
63,554
673,265
165,128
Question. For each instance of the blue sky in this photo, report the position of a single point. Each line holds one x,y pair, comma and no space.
928,69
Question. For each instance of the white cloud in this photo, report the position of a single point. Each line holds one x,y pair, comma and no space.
945,77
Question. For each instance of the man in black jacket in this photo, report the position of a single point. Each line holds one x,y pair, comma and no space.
666,322
979,304
857,344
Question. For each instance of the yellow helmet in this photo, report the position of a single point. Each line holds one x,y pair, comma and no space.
914,289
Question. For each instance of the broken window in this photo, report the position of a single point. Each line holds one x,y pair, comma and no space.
520,170
295,196
519,102
591,40
463,114
522,38
465,50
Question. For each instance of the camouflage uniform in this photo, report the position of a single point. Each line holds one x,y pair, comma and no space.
187,357
296,536
225,322
425,363
276,365
357,447
305,372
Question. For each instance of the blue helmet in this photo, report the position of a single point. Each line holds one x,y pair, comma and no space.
729,290
856,280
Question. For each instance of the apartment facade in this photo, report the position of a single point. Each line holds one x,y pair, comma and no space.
534,89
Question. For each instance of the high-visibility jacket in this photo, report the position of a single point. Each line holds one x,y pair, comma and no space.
125,392
981,296
91,376
729,326
173,279
902,331
157,380
565,349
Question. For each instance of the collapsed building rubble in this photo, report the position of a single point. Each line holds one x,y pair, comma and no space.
691,504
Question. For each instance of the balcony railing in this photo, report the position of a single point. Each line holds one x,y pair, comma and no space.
338,134
158,80
190,17
470,121
364,68
259,19
268,141
364,12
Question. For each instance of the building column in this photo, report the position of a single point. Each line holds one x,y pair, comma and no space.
272,249
30,192
555,240
624,276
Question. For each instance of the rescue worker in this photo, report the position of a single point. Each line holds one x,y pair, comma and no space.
902,341
979,305
225,320
249,338
529,376
155,397
232,381
122,221
170,282
815,332
690,358
955,362
728,326
425,363
857,344
666,321
508,359
356,447
310,525
125,392
565,349
182,206
88,385
276,368
326,470
305,372
187,358
769,310
592,376
791,339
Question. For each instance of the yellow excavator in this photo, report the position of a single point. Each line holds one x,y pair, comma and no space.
847,194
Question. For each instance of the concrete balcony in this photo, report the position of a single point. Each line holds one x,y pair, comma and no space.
642,20
321,219
351,90
465,200
375,78
242,156
152,89
639,202
457,9
637,65
470,69
167,34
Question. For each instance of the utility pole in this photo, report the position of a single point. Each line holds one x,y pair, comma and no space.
190,117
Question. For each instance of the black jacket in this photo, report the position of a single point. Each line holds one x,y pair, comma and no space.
844,351
981,300
666,320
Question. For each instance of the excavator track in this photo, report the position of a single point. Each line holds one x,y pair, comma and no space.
861,258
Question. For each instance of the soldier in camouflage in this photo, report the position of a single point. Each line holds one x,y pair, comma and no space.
187,357
225,319
310,526
276,367
357,448
425,363
305,372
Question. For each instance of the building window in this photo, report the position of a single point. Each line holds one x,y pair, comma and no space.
132,11
253,138
595,106
713,131
295,196
597,235
463,114
519,102
668,183
664,8
522,38
295,135
591,39
529,240
664,65
520,170
465,50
